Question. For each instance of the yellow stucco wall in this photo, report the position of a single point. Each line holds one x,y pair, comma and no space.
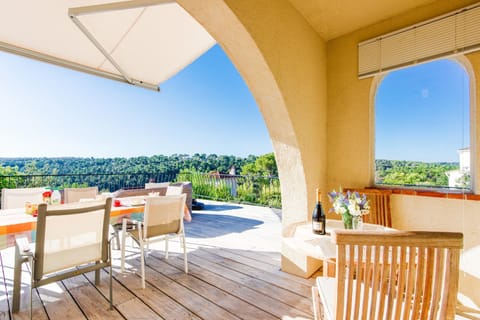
351,144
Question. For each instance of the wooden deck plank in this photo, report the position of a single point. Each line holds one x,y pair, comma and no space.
58,302
272,259
161,304
241,290
197,304
294,300
89,299
214,256
124,300
208,289
249,258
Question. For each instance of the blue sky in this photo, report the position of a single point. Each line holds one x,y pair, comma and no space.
48,111
422,113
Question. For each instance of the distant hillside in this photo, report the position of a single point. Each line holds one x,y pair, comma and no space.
154,164
263,165
396,172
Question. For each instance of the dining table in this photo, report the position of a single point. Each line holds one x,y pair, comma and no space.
16,222
321,246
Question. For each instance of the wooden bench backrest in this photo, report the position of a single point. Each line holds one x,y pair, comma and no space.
380,212
398,274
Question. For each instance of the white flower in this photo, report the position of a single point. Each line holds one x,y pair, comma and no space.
349,203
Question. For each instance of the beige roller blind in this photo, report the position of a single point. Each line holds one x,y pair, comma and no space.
454,33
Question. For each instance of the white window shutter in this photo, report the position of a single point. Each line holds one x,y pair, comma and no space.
454,33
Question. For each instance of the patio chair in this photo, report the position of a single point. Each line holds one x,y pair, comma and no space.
174,190
391,275
153,185
70,240
162,219
76,194
380,212
16,198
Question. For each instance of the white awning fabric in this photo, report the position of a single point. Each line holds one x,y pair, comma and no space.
141,42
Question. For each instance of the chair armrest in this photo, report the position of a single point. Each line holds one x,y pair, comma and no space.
23,246
130,224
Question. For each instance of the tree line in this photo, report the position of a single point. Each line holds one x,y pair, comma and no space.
159,164
414,173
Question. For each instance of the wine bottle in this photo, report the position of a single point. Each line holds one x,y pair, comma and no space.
318,216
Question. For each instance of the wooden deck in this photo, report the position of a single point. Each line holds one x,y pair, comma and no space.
234,273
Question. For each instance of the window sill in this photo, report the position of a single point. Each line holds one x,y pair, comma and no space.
437,193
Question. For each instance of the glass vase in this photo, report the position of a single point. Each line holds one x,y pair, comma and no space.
351,222
347,221
356,222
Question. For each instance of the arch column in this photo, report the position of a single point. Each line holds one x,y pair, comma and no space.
283,61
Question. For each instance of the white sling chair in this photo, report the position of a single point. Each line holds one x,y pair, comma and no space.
70,240
163,218
16,198
76,194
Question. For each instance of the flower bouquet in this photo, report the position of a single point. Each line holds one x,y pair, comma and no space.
351,205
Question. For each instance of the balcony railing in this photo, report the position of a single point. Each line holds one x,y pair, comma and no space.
246,189
223,187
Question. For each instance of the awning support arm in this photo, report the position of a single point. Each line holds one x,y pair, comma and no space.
73,13
10,48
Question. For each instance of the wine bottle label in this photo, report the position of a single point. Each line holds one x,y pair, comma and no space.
317,225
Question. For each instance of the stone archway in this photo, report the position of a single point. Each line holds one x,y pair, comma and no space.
283,62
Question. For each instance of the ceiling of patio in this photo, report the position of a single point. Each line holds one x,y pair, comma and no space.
332,19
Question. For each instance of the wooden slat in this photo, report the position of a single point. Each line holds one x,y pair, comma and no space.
392,282
452,276
368,279
196,303
127,301
279,281
428,283
419,282
89,299
359,274
375,282
221,297
438,275
384,278
351,258
249,258
281,301
58,302
163,305
402,270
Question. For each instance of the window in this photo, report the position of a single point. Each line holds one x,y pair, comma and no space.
422,127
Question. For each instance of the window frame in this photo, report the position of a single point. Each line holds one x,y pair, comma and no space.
474,118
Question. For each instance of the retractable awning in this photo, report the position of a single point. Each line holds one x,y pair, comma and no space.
141,42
